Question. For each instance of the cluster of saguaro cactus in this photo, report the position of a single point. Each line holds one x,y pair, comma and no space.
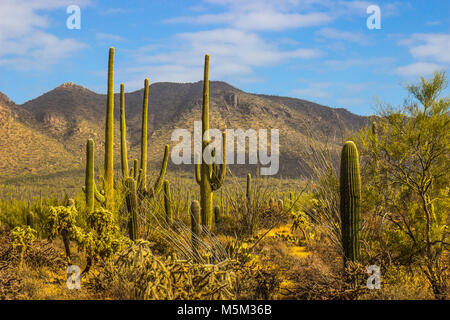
350,194
140,173
210,177
134,179
106,197
138,189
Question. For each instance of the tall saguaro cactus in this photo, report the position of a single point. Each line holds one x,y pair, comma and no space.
210,177
350,195
142,182
109,135
123,134
90,176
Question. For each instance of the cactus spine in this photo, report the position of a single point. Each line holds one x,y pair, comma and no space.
132,202
195,226
168,203
109,136
209,177
89,182
123,134
350,195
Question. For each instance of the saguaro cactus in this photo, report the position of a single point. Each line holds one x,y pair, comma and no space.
123,134
249,190
142,180
350,195
195,226
89,181
30,219
168,203
135,168
210,177
217,214
132,203
109,136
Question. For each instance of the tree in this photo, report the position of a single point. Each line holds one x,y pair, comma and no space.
406,173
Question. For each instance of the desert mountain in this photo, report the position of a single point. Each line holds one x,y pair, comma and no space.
48,134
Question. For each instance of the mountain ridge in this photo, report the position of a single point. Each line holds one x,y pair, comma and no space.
70,114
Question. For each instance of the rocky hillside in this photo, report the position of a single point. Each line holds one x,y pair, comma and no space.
48,134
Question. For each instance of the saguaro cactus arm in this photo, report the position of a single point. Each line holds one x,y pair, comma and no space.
135,169
162,172
218,173
198,176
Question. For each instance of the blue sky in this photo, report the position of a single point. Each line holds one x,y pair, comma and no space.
318,50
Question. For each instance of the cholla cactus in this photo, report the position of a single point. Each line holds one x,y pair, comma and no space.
22,240
102,239
61,221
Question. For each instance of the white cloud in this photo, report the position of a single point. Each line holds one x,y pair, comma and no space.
24,41
417,69
233,53
431,46
258,15
258,20
431,50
